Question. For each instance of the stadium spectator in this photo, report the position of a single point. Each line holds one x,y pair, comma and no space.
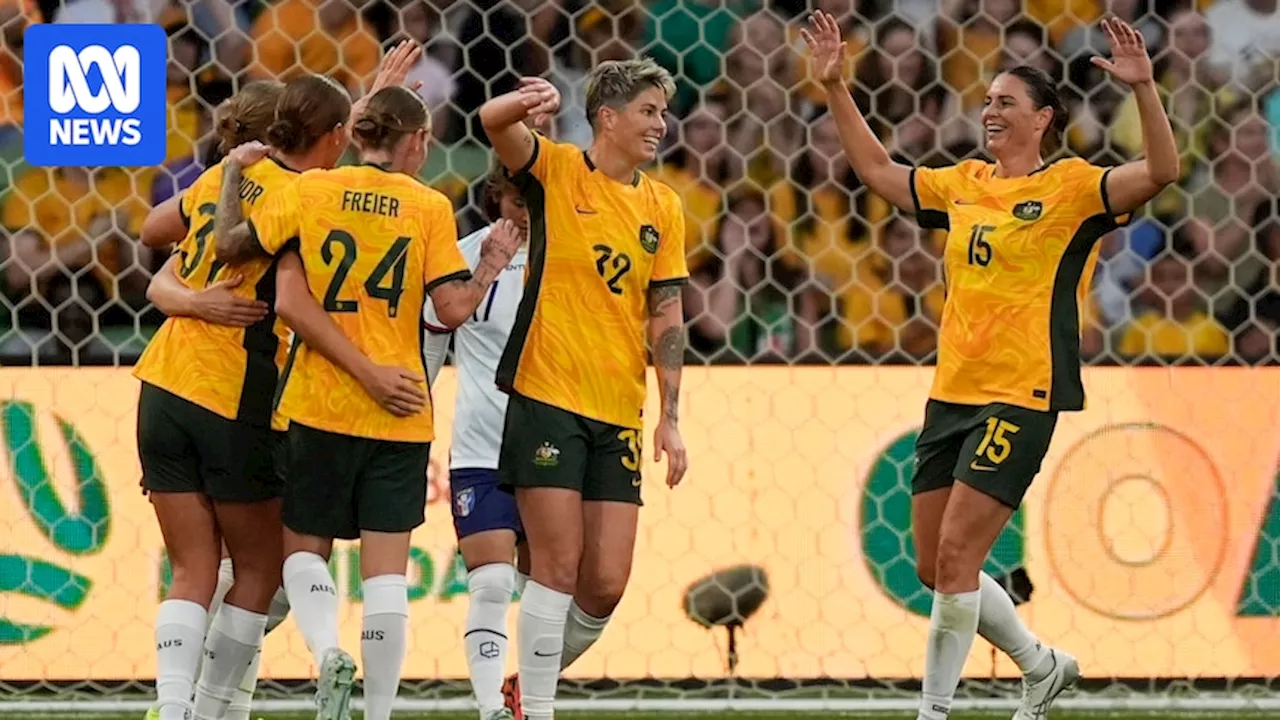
744,303
106,12
1246,39
699,166
1172,324
328,37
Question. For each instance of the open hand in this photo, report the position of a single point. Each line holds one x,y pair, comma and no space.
501,244
399,391
219,305
1130,63
396,65
827,51
248,153
667,440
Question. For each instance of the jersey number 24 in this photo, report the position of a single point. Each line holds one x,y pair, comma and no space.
379,286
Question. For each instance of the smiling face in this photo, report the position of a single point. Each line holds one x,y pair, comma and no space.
1010,119
638,127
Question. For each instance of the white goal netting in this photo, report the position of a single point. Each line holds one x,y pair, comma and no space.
781,572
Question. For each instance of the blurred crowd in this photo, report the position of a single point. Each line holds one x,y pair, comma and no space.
792,260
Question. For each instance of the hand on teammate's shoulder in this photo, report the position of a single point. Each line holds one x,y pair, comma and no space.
248,153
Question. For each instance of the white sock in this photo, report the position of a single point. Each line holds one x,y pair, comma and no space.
313,595
581,631
485,637
179,639
543,613
382,642
233,640
999,623
242,700
952,626
226,578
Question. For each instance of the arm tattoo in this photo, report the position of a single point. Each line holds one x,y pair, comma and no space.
231,232
660,297
668,356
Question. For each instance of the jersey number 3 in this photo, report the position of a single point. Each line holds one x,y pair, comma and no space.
379,286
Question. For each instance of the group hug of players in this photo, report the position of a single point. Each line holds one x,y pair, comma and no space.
285,401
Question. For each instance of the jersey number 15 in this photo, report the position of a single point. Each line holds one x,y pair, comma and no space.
378,286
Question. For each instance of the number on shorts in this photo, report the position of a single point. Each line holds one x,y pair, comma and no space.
995,446
631,461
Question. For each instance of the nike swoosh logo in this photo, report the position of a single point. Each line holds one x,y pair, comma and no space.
541,654
965,202
975,466
584,211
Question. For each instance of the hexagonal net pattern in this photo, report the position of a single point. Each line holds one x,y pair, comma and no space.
1148,546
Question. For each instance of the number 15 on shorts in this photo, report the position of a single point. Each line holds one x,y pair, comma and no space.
995,446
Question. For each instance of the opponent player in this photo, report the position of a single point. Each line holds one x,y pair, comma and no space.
375,242
606,258
485,518
1019,256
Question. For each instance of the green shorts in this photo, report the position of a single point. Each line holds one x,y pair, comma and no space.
994,448
184,447
337,485
544,446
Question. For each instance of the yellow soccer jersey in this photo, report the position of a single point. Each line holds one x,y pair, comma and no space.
1019,259
228,370
373,243
596,246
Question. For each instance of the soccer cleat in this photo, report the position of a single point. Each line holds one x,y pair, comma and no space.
1038,696
511,697
503,714
333,690
153,713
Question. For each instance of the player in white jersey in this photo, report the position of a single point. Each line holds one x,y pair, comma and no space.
484,516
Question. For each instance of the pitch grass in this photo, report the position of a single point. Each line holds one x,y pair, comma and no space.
958,715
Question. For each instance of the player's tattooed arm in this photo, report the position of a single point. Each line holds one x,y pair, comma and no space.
456,299
666,336
234,243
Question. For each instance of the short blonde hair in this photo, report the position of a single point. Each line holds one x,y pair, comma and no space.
614,83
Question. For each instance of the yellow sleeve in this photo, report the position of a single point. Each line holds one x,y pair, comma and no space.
930,190
1090,191
444,262
1134,341
546,162
669,264
1210,339
277,222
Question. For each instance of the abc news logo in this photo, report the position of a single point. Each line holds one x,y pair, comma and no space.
69,89
95,95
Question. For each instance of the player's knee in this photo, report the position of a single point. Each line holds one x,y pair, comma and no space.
953,564
493,583
599,594
194,581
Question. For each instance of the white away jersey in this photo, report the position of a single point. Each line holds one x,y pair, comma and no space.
477,347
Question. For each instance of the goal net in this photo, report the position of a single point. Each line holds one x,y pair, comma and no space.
781,573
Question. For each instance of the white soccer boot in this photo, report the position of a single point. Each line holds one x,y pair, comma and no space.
333,690
1038,696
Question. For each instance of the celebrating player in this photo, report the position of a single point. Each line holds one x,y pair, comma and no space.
373,241
606,257
484,517
1020,253
205,435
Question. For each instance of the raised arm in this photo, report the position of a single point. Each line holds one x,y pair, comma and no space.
1133,184
165,224
867,155
506,120
395,389
395,67
215,304
455,299
234,242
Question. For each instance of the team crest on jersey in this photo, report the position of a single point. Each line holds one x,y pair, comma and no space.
649,238
1029,210
546,456
465,502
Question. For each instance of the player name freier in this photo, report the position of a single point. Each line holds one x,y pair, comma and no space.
371,202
